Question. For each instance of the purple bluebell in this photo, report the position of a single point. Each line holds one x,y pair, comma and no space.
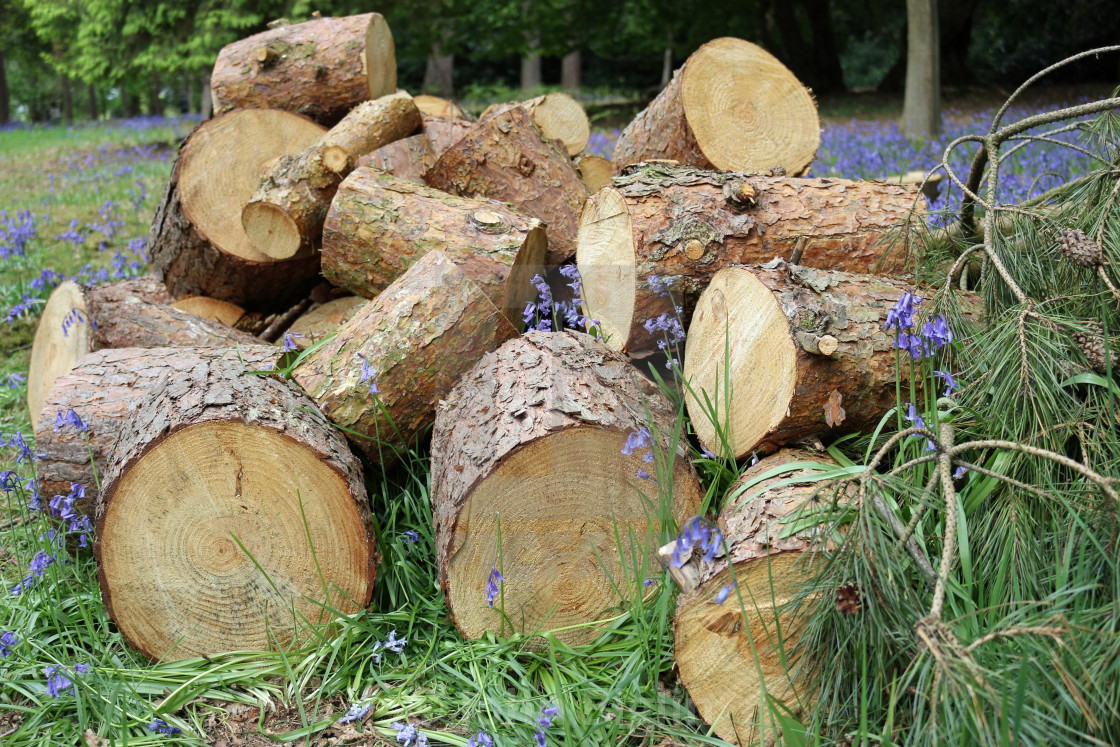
901,316
14,380
8,641
290,341
357,712
394,644
58,684
635,440
959,473
721,597
493,586
411,536
408,735
950,382
482,739
367,374
159,726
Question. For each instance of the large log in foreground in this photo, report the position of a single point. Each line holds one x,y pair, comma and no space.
727,662
529,448
411,344
732,106
379,225
508,159
198,245
559,116
320,68
284,217
229,506
682,225
808,353
103,389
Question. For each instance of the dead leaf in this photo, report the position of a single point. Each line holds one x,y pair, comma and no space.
833,412
92,740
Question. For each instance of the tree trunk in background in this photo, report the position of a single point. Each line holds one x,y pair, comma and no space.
438,74
130,103
5,100
66,99
188,86
667,60
955,32
155,106
921,105
828,74
91,103
530,70
570,77
206,107
791,50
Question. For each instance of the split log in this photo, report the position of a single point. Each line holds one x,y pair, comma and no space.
715,647
434,106
104,389
529,445
808,354
284,217
379,225
225,312
413,342
131,313
594,171
198,245
732,106
321,68
324,320
230,507
507,158
683,225
407,158
559,116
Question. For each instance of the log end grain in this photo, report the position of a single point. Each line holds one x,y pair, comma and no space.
271,230
607,264
64,335
213,309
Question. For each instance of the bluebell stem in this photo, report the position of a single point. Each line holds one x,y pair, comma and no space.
357,712
492,586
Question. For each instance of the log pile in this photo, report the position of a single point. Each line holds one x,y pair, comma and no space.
391,244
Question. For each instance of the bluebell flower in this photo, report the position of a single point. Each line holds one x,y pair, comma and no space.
14,380
493,586
394,644
8,640
721,597
357,712
959,473
160,726
408,735
482,739
367,374
638,439
411,536
290,342
950,383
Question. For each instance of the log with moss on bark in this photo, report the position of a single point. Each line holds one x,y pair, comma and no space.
732,106
538,467
508,159
671,227
383,374
321,68
408,158
558,115
443,132
231,516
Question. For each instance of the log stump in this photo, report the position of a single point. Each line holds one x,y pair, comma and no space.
559,116
411,344
379,225
715,647
732,106
103,389
198,245
284,218
594,171
530,444
230,507
321,68
508,159
323,321
682,225
804,344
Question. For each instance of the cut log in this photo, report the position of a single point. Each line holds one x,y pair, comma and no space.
131,313
413,342
230,512
529,447
379,225
559,116
715,647
683,225
408,158
284,217
434,106
321,68
103,389
594,171
198,245
508,159
732,106
225,312
324,320
443,132
778,326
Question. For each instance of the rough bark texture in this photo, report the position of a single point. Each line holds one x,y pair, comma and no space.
320,68
444,132
539,426
104,389
369,126
379,225
715,648
414,340
192,469
508,159
190,262
921,104
731,106
558,116
322,321
409,158
686,224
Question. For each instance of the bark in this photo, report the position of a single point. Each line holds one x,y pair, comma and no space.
320,68
508,159
443,132
683,225
198,245
322,321
417,338
155,106
203,545
379,225
103,389
532,438
558,116
284,218
130,103
530,72
91,103
921,104
570,71
732,106
407,158
828,75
